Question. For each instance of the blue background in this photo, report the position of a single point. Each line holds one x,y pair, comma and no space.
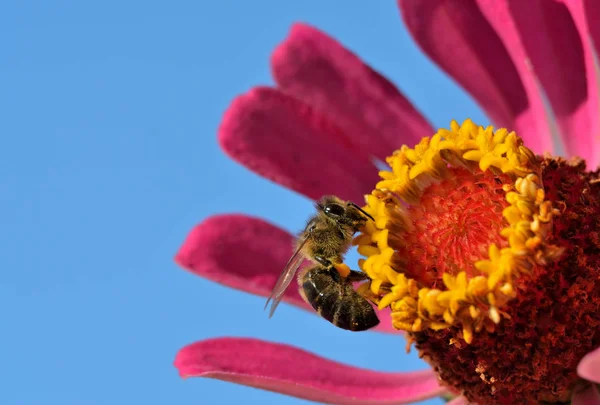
109,157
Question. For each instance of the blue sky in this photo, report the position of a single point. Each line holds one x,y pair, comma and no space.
109,157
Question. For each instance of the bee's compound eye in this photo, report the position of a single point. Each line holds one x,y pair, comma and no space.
334,210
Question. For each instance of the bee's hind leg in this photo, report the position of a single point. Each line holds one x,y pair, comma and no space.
357,276
365,291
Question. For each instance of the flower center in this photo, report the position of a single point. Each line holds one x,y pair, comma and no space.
486,255
454,224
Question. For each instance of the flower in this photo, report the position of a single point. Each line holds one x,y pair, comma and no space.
486,254
532,67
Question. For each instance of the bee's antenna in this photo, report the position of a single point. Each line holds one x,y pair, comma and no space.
360,209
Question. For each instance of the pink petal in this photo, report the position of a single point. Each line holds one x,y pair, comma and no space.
546,46
591,13
247,254
587,396
316,69
459,401
586,16
291,371
592,16
589,366
241,252
457,36
290,143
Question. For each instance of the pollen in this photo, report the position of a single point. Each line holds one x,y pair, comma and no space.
491,218
342,268
464,251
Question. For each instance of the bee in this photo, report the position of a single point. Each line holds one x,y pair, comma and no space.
334,298
327,285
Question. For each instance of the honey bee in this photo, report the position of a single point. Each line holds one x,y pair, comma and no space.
327,285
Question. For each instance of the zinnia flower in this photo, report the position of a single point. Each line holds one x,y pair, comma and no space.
486,253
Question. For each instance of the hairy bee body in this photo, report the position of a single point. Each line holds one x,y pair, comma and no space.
327,236
335,299
324,248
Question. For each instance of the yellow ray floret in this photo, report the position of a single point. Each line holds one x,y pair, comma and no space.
473,302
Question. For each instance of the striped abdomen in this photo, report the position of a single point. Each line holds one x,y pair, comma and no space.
334,299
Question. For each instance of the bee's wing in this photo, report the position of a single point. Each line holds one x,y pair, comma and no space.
285,278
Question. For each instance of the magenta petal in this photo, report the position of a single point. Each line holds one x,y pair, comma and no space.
241,252
587,396
247,254
290,143
586,16
589,366
534,124
315,68
457,37
591,13
292,371
548,48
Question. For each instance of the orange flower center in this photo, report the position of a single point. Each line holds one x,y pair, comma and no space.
453,226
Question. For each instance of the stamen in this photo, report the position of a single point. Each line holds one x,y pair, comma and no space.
457,219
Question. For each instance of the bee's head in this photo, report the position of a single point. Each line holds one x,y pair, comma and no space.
341,211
